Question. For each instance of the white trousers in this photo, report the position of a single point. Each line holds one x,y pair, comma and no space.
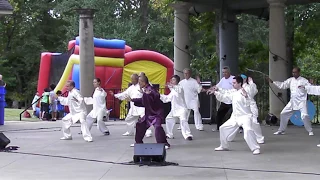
232,125
171,121
256,129
287,112
66,124
197,118
100,123
131,123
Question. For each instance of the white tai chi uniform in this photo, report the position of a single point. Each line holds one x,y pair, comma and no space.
298,102
252,90
178,111
135,112
241,116
191,90
99,110
34,106
78,112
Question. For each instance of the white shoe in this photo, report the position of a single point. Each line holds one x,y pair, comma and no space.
279,133
66,138
200,129
132,145
260,142
221,149
166,147
311,133
214,130
179,128
318,145
256,152
169,137
89,140
127,134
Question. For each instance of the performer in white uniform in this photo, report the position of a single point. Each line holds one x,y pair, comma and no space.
98,100
298,101
251,88
78,112
134,91
179,109
191,89
314,90
241,116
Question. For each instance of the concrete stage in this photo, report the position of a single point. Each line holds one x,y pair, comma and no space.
43,156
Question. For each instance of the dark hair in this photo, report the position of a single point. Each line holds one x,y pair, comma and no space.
71,83
144,79
59,92
46,90
98,80
238,79
297,68
176,77
52,86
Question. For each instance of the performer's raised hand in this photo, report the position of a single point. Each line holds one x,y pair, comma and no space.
147,91
169,85
198,79
209,92
268,79
250,80
244,93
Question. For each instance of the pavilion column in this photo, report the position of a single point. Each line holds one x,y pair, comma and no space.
182,57
87,65
278,67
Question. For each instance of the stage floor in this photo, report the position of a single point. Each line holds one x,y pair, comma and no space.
43,156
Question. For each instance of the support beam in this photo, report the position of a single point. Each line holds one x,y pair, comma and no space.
229,44
182,57
277,44
87,65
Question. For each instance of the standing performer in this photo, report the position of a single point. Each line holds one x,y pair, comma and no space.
225,106
241,116
98,100
192,88
179,109
298,101
251,88
311,89
154,113
134,112
78,112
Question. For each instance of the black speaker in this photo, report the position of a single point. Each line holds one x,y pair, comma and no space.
271,119
149,152
4,141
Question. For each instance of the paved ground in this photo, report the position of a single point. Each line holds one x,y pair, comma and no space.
43,156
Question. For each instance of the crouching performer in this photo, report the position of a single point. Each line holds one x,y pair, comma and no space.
154,113
241,116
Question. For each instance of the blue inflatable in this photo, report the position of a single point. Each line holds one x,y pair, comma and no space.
76,75
103,43
296,117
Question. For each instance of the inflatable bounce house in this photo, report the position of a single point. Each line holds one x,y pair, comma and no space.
114,64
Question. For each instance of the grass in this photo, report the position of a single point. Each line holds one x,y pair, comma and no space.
14,115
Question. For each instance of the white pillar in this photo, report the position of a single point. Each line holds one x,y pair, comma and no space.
182,57
277,44
229,47
87,65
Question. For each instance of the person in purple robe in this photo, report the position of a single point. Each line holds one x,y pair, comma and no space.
154,113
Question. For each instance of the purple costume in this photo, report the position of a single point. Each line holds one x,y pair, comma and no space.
153,116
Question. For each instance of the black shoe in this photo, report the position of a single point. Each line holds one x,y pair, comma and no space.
80,132
106,133
189,138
